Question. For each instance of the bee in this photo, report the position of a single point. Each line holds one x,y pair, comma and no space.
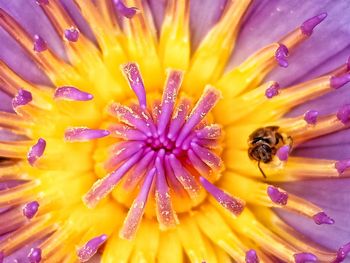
264,143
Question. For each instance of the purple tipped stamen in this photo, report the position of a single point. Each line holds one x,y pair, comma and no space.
39,44
283,153
277,196
36,151
304,257
87,251
322,218
341,166
133,75
342,253
281,55
311,116
128,12
337,82
251,256
272,91
83,134
343,114
72,93
30,209
232,204
22,98
309,25
34,255
72,34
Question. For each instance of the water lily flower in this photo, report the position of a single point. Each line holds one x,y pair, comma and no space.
174,131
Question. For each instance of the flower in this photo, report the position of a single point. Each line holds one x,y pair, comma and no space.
140,151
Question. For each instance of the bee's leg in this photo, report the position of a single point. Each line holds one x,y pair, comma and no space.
262,172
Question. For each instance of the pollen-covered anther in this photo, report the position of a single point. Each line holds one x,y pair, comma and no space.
342,253
133,75
337,82
72,34
311,116
283,153
343,114
251,256
281,56
342,166
229,202
277,196
39,44
272,91
22,98
304,257
322,218
72,93
83,134
88,250
34,255
128,12
36,151
30,209
308,26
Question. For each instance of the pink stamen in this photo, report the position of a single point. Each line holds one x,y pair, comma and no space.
304,257
128,12
87,251
230,203
165,213
311,116
342,253
208,157
343,114
36,151
341,166
72,93
308,26
337,82
281,56
30,209
34,255
251,256
272,91
188,182
125,132
207,101
171,89
39,44
22,98
179,119
83,134
72,34
133,219
212,131
277,196
104,186
133,75
322,218
129,117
